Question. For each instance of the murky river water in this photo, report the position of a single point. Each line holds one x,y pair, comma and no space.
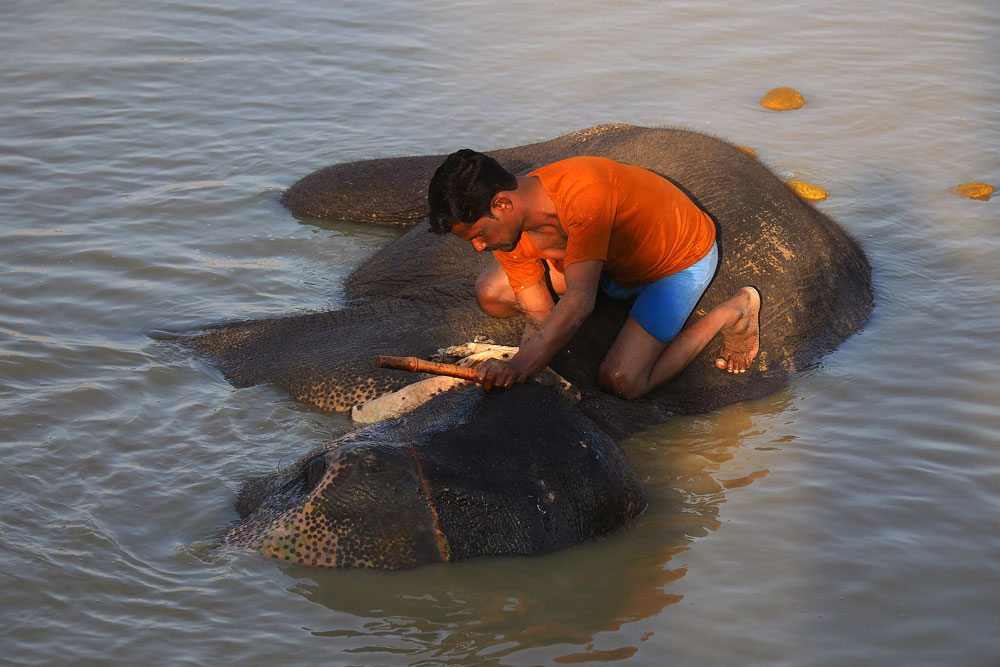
852,518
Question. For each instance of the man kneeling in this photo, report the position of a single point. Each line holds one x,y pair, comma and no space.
593,223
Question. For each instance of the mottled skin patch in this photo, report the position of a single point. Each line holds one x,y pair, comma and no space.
334,397
354,504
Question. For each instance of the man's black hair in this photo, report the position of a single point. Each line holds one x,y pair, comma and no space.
463,187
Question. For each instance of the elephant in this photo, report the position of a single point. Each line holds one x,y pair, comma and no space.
416,295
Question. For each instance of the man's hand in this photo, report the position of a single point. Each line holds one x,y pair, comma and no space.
538,347
496,373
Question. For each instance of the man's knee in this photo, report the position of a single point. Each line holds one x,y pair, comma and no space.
493,298
483,292
614,380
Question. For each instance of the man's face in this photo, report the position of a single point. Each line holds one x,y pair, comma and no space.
489,233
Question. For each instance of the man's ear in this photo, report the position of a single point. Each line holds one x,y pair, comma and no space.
502,202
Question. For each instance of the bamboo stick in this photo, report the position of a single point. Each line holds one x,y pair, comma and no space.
420,366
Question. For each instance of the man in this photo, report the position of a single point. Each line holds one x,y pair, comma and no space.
591,222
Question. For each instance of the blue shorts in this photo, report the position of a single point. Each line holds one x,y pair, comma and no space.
662,307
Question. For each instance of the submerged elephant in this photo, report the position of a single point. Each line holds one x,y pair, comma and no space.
416,295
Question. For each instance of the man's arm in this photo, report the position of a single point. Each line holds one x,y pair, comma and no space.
555,331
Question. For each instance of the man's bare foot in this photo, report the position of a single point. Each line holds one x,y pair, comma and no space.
741,341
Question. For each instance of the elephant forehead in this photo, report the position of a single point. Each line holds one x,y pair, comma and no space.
364,505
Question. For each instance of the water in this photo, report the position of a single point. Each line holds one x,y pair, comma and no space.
851,518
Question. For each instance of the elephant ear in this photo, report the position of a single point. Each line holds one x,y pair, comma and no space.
420,265
385,191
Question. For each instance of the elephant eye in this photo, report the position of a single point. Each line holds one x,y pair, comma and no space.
313,473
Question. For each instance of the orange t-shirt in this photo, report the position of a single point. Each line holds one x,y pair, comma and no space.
640,224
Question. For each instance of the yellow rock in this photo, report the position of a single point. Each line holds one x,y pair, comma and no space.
749,151
981,191
807,190
782,99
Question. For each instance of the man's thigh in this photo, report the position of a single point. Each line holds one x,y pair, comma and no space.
662,307
634,351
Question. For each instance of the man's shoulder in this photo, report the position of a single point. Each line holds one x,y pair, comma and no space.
577,179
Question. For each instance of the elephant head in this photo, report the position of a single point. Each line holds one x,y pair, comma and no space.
470,473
